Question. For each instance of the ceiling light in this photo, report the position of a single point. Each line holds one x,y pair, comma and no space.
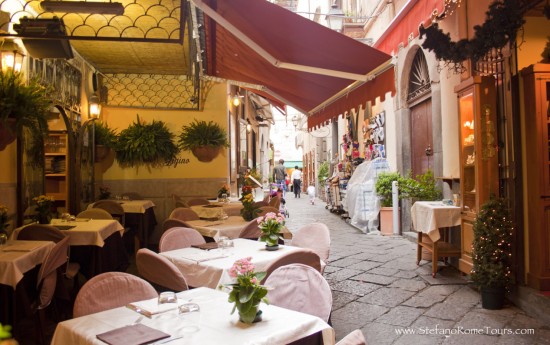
114,8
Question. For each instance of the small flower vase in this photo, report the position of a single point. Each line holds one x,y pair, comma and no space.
44,218
251,317
271,247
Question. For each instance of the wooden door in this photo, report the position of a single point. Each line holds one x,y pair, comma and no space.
421,137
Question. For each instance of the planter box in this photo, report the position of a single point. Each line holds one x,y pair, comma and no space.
386,221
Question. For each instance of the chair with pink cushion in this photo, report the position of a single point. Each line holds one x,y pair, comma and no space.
301,288
184,213
315,236
302,256
111,290
159,271
94,213
40,232
251,231
177,238
354,338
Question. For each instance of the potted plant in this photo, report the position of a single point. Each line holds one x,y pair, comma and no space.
21,106
492,252
203,139
383,187
249,210
105,139
145,144
246,292
271,225
3,219
43,208
5,335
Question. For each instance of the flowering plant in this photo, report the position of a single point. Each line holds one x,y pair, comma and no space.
104,192
3,217
270,225
223,190
246,293
44,208
249,210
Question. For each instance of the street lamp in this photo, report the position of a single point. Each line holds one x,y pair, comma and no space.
335,17
95,107
296,121
11,56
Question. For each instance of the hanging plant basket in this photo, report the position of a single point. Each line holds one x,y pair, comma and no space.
101,152
206,153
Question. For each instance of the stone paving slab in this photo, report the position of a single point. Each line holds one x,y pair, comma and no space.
378,288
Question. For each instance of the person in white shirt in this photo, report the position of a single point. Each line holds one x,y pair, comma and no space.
296,178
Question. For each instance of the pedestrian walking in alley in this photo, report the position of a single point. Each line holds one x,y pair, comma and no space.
296,178
311,194
279,174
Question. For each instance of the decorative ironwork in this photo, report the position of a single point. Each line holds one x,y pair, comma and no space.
63,77
491,64
142,21
419,79
152,91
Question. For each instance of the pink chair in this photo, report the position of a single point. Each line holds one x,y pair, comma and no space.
113,207
177,238
301,288
354,338
315,236
94,213
197,202
111,290
40,232
184,213
251,231
174,223
302,256
266,209
47,282
160,271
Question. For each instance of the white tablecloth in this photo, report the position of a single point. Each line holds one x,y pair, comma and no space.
133,206
18,257
87,232
215,209
429,216
216,326
210,268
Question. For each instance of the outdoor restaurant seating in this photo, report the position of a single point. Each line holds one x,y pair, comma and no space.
110,290
251,231
302,256
184,213
301,288
275,202
177,238
355,337
315,236
43,232
159,271
94,213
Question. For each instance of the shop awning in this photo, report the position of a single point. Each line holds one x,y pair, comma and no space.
406,23
292,59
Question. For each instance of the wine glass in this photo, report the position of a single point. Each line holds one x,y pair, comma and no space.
65,217
3,239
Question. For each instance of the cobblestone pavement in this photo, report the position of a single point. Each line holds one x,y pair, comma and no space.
378,288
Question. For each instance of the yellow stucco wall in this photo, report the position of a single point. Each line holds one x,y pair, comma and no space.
215,110
535,36
8,164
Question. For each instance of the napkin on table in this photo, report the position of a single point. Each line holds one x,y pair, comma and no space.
151,307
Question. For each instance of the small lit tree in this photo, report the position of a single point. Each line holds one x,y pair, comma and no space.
492,251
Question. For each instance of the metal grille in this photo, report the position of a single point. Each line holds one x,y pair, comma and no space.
419,79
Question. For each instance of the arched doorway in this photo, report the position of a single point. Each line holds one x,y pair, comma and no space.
420,103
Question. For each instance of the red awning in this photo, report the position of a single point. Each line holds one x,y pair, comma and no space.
292,59
407,22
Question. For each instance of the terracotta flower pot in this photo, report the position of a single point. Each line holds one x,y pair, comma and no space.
7,133
206,153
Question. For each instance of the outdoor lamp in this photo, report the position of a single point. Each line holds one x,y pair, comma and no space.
236,100
11,56
335,17
95,107
248,126
295,121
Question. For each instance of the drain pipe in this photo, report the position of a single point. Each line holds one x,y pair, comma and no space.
395,203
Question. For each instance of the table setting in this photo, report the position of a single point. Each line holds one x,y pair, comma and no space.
197,316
